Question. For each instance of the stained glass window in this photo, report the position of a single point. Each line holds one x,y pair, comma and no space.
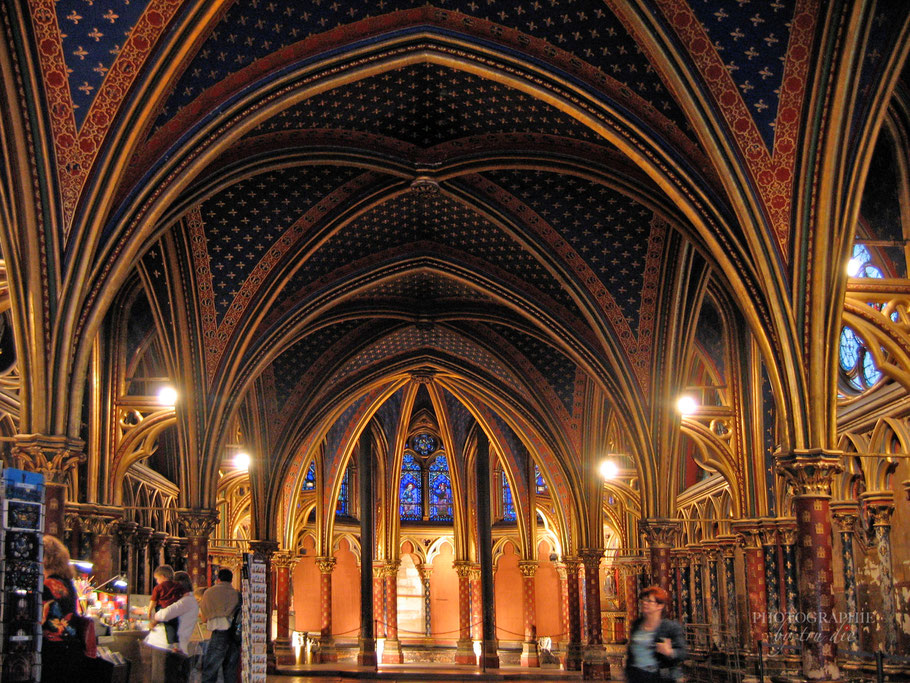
508,507
541,484
342,507
309,479
424,444
857,365
861,264
440,490
410,491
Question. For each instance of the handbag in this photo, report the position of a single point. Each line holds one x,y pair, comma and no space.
85,630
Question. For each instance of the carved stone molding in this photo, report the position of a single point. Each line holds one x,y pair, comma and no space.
126,530
590,558
528,567
660,533
265,549
810,472
571,564
326,565
283,559
51,456
198,523
786,531
463,568
748,533
880,505
844,514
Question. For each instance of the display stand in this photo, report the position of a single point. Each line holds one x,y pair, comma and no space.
255,608
21,575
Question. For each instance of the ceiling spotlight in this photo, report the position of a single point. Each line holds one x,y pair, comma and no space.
167,396
242,460
686,405
609,469
853,266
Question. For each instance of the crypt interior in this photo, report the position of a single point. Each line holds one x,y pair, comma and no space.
403,297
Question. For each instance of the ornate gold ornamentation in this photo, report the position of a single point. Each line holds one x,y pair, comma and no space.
880,505
660,533
51,456
590,558
198,523
786,531
463,568
528,568
844,514
810,473
282,559
265,549
326,564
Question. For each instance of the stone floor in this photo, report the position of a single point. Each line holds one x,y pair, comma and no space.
406,673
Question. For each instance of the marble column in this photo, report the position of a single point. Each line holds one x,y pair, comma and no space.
529,654
391,653
594,663
810,475
464,652
845,515
282,561
327,652
574,649
880,506
199,525
52,456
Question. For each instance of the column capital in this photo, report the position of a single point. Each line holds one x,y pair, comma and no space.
264,548
158,538
127,530
880,506
786,530
425,570
528,568
390,568
199,523
844,514
768,532
463,568
326,565
282,559
571,564
727,544
52,456
748,532
143,534
810,472
660,533
591,557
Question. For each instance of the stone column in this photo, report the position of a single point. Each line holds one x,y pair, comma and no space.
754,558
425,572
845,515
199,525
282,562
464,652
102,529
660,535
594,665
126,534
529,654
768,535
573,650
327,651
698,592
564,603
810,475
476,603
712,555
379,614
143,570
880,505
490,647
156,545
366,655
391,653
53,457
685,582
730,619
786,533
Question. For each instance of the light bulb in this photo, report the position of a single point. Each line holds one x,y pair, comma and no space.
686,405
167,396
242,461
609,469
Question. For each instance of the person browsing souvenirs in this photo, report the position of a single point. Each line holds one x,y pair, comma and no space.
218,605
657,646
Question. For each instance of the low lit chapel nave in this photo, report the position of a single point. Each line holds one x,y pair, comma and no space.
473,317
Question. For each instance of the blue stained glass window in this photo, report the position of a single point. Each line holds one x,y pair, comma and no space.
541,484
440,490
857,364
424,444
410,491
508,507
861,263
309,479
342,507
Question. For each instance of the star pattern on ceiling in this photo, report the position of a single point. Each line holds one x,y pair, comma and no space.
430,289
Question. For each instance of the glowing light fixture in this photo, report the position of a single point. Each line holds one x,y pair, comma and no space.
167,396
83,566
609,469
242,460
686,405
853,266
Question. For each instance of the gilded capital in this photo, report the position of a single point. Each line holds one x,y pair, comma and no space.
463,568
660,533
198,523
326,564
528,568
571,565
748,533
51,456
282,559
786,531
880,506
810,472
590,558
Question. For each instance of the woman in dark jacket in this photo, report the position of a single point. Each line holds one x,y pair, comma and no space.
657,646
62,653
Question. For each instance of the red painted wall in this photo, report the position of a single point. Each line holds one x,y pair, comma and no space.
507,583
306,591
444,596
548,599
345,593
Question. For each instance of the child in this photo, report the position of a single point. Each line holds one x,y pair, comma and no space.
165,593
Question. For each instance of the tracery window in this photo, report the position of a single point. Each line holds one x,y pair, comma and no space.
508,506
424,444
541,484
343,506
440,490
861,263
309,479
857,366
410,489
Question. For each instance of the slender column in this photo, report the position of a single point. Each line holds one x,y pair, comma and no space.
143,570
126,533
366,655
476,604
102,528
425,572
698,593
53,457
529,654
768,535
880,505
594,665
730,613
755,583
199,525
464,652
660,534
156,545
282,561
573,650
327,652
490,646
712,557
685,581
379,614
391,653
563,602
810,475
786,532
845,515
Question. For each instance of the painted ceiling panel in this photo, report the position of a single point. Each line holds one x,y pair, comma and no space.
415,217
427,105
389,414
710,335
252,29
424,288
460,421
241,223
751,38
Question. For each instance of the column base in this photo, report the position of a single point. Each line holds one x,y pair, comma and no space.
573,658
530,656
489,658
595,666
326,653
285,655
366,656
464,653
391,653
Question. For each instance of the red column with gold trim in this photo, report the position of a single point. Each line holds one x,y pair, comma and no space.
594,659
391,653
530,657
573,607
464,652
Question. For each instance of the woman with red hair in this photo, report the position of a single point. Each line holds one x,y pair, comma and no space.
657,646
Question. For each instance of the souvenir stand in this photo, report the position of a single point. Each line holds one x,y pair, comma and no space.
255,603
